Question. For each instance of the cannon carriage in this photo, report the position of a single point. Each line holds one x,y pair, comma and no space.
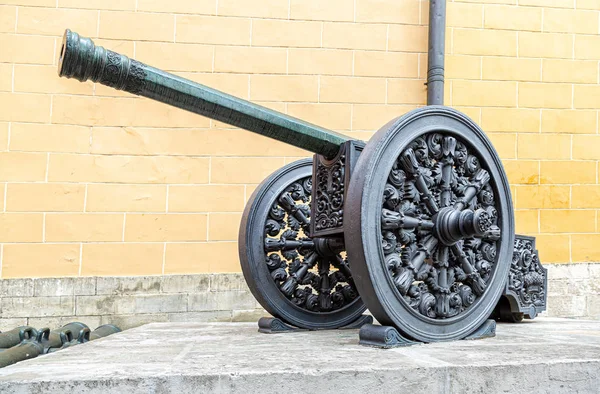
416,225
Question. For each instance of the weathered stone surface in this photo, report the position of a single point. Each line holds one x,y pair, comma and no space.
125,322
115,285
85,286
37,306
185,283
572,306
56,287
568,271
16,287
251,315
9,324
594,271
218,301
546,356
227,282
56,322
130,304
593,307
208,316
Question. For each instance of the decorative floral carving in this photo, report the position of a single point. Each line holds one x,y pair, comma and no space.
310,278
122,73
439,225
527,280
329,194
112,69
136,79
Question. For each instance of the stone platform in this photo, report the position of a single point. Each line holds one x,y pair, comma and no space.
541,356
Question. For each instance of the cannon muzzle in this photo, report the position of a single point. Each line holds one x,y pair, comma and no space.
104,331
81,59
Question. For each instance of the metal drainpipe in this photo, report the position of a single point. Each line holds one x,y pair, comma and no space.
435,58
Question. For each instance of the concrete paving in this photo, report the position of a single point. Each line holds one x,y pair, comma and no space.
541,356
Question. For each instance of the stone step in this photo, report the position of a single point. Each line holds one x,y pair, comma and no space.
546,355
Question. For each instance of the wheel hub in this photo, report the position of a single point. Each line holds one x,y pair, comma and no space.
452,225
329,247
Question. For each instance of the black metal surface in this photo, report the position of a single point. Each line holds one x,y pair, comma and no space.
525,294
79,330
25,350
432,275
104,331
436,52
51,340
304,282
35,342
273,325
384,337
13,337
486,330
358,323
330,186
82,336
82,60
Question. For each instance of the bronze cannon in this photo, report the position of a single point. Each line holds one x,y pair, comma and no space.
416,225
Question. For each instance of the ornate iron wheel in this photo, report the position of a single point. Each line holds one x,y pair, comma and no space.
431,225
305,282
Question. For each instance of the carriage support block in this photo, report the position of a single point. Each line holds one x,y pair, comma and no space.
273,325
486,330
387,337
384,337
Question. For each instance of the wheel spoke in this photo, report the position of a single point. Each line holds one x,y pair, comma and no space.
442,256
425,250
473,276
291,283
276,245
479,181
448,148
289,205
339,263
411,165
324,290
391,220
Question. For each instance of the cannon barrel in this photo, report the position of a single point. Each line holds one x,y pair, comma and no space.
13,337
81,59
23,351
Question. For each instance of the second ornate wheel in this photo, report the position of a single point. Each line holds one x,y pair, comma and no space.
305,282
430,225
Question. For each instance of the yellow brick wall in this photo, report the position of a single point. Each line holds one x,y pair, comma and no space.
97,182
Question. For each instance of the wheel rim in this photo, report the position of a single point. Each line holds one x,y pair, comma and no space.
294,277
433,188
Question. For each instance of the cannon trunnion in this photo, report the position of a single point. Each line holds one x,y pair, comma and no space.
417,224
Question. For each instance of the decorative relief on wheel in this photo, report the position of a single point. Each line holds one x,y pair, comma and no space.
311,273
439,226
